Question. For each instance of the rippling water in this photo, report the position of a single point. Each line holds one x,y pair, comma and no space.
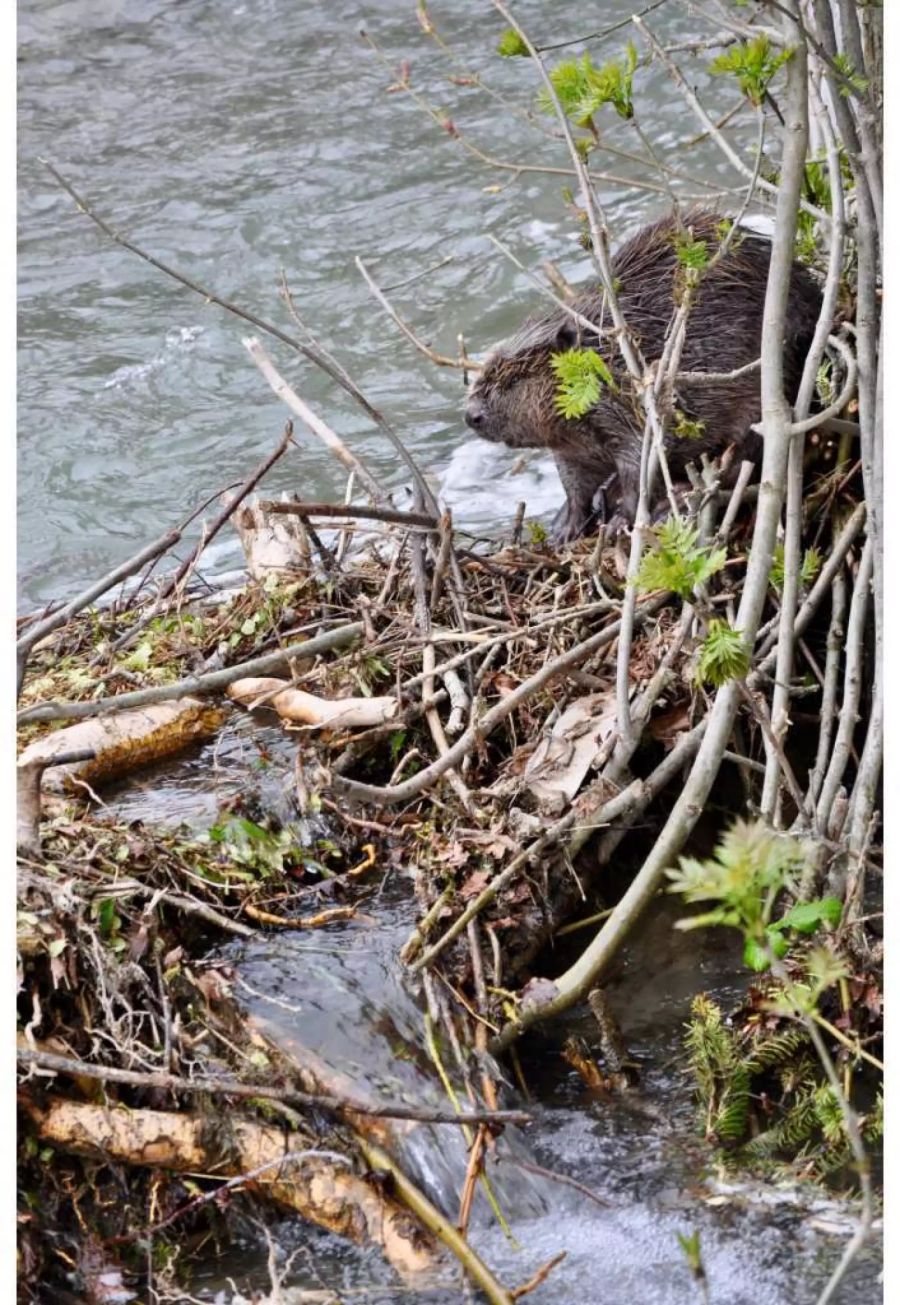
234,139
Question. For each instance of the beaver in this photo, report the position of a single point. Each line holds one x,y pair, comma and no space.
513,400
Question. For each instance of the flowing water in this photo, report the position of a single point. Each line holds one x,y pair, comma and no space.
235,139
241,138
340,992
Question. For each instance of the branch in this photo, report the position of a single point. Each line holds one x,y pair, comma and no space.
247,1091
212,682
315,423
280,507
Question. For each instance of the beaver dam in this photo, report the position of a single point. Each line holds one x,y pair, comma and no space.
425,914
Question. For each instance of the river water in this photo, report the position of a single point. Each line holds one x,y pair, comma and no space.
237,138
340,992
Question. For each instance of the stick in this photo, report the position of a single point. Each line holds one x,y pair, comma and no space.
245,1091
392,515
40,631
311,419
212,682
440,359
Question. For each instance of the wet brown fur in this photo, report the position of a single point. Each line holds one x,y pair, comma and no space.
513,399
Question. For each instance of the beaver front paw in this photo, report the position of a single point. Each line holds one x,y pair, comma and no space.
571,522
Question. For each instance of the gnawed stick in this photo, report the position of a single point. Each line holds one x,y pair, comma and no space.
309,709
28,797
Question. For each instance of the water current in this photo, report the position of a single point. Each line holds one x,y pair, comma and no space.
237,140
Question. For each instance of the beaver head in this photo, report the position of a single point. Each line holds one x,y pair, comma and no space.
513,400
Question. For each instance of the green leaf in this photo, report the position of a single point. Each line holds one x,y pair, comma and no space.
753,63
853,81
809,567
807,917
580,375
107,917
692,254
690,1245
676,561
687,429
723,656
757,955
511,45
139,659
719,916
582,88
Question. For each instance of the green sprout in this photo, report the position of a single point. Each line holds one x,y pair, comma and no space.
723,655
676,562
582,88
754,63
580,375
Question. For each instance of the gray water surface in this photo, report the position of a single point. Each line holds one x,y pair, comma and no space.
234,139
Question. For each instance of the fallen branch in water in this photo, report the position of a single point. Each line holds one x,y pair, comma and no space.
437,1224
247,1091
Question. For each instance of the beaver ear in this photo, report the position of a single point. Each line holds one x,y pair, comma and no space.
568,336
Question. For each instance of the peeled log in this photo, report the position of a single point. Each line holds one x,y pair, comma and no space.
124,741
306,709
320,1190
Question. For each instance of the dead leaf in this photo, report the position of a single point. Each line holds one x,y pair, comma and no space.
561,760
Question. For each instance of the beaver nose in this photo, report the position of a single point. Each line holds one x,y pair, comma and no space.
475,414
